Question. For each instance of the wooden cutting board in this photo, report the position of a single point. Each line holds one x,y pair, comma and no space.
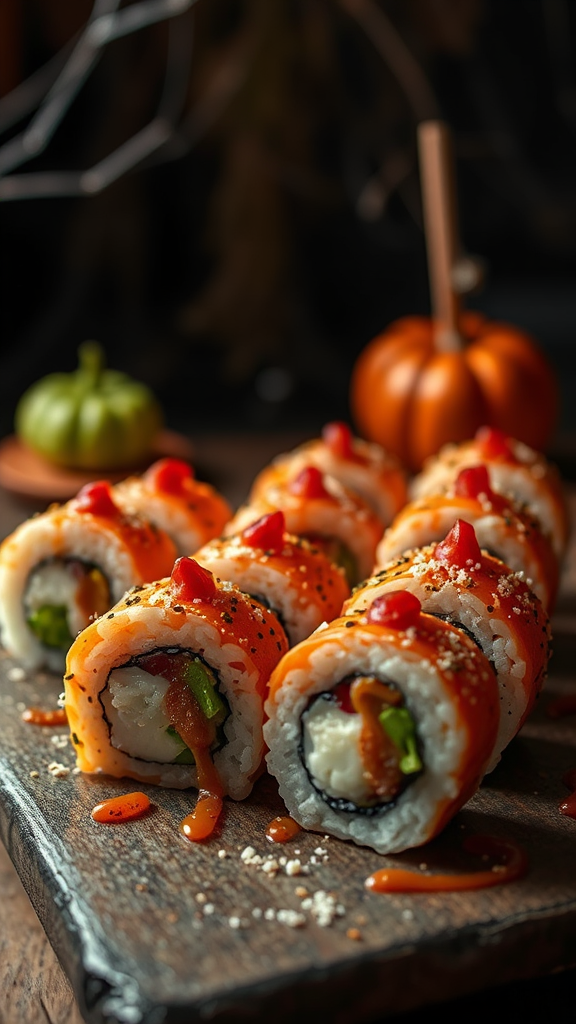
151,928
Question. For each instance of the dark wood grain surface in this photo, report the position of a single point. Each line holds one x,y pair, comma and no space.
150,928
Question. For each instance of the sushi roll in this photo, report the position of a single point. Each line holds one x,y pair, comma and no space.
68,565
514,469
502,528
381,725
169,686
189,510
285,572
318,507
477,592
361,466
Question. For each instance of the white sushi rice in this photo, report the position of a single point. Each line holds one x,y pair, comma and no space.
493,533
174,519
409,821
343,516
54,535
134,702
141,629
263,580
533,482
495,637
331,737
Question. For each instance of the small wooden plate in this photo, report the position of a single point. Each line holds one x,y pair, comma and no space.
26,474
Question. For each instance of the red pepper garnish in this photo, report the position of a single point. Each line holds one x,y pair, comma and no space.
97,498
169,475
309,483
267,532
341,694
399,609
473,481
493,443
191,581
460,546
338,438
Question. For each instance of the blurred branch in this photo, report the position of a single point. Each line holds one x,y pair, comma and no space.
104,25
390,45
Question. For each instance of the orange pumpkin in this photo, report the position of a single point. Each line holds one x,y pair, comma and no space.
411,395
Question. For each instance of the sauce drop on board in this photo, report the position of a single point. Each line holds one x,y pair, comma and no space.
36,716
121,808
201,823
282,829
515,866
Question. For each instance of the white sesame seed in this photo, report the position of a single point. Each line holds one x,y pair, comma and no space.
293,867
291,917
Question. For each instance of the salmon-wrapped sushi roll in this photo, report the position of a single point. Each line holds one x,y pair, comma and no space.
169,686
63,568
189,510
361,466
318,507
502,528
514,469
287,573
381,725
473,590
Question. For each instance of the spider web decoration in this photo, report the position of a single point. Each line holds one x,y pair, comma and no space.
53,89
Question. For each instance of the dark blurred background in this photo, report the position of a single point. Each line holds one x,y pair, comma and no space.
241,266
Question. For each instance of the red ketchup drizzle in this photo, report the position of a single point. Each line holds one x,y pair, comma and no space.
121,808
308,483
460,546
494,443
560,706
97,498
266,533
170,475
191,581
399,609
282,830
512,864
338,438
568,806
36,716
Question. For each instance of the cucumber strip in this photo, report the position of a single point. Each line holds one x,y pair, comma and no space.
50,625
398,724
203,685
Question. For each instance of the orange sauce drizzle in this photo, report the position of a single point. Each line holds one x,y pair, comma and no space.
121,808
560,706
36,716
92,595
198,734
514,865
282,829
379,754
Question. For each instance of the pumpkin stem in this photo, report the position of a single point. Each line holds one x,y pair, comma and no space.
440,220
91,362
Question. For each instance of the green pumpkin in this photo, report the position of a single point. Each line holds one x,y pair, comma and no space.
91,419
